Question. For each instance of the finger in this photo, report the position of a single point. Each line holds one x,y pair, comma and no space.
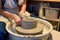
18,23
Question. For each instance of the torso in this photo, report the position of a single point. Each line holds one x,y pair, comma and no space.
12,6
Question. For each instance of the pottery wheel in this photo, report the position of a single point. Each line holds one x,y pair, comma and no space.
36,30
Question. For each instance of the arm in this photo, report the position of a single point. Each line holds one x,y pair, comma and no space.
5,13
23,9
9,14
23,12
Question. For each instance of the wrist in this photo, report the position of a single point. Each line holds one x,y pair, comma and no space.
22,11
13,16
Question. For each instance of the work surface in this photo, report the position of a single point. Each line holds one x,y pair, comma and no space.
48,0
55,35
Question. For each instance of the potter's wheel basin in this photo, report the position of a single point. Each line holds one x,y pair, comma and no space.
46,29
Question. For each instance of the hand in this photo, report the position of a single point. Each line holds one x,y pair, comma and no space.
17,19
26,14
23,12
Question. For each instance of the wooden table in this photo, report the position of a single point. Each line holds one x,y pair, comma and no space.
48,0
55,35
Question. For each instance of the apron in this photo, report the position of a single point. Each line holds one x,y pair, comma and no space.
12,5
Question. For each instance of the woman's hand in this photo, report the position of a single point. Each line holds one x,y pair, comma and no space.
23,8
17,19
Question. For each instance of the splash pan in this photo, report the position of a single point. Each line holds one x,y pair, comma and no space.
14,35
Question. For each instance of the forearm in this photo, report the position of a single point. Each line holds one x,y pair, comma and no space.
6,13
23,9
